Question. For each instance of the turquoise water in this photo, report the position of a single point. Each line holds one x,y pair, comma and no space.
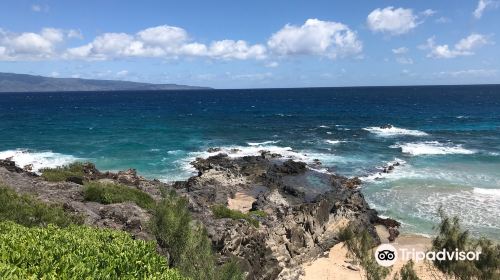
446,138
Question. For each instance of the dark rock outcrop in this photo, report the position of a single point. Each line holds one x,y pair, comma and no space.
296,229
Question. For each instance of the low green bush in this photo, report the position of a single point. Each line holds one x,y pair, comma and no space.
60,174
258,213
451,237
77,252
407,272
187,243
28,211
108,193
221,211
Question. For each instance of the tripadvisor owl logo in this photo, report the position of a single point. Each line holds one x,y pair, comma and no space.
386,255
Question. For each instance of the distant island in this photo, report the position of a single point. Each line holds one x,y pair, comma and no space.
11,82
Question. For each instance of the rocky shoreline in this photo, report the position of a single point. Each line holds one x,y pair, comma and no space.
304,209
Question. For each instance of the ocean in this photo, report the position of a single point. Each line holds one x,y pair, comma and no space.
446,139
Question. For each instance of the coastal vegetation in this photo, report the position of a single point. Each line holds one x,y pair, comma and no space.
78,252
452,237
63,173
359,246
186,241
407,272
28,211
61,247
221,211
108,193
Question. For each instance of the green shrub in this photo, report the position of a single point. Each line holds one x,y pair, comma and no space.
187,243
77,252
230,271
407,272
28,211
221,211
451,237
60,174
108,193
360,245
258,213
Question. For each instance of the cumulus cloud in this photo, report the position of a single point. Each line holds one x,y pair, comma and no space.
163,41
393,21
465,46
30,45
315,37
482,6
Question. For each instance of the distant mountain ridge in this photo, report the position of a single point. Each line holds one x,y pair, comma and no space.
11,82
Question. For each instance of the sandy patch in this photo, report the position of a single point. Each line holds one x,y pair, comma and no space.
335,264
242,202
331,267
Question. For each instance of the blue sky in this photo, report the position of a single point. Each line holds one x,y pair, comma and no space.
253,44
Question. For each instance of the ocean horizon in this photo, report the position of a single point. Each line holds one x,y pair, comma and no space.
439,145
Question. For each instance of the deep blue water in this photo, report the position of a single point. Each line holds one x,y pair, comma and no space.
446,137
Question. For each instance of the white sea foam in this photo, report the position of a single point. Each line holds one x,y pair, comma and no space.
323,126
477,212
334,142
432,148
394,131
262,143
487,192
395,173
39,160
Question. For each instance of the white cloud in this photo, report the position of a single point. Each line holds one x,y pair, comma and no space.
39,8
443,20
465,46
122,73
33,46
471,42
163,36
468,73
229,49
272,64
401,50
393,21
163,41
36,8
251,76
429,12
316,37
482,6
404,60
73,33
29,44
